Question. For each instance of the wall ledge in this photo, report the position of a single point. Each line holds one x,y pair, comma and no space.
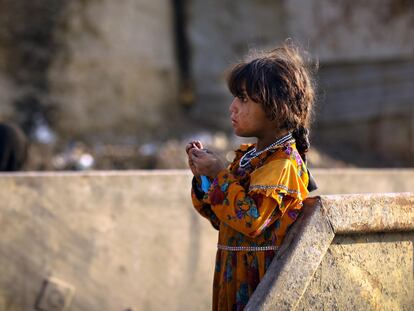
309,238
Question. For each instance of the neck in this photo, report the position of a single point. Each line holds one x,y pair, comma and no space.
267,140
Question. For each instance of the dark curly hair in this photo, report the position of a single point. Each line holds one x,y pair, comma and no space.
281,82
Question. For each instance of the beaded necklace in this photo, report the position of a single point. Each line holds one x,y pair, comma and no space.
250,155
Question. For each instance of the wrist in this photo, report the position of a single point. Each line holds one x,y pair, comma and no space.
217,170
199,194
218,173
197,178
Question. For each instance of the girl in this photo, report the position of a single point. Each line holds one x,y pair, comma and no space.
254,201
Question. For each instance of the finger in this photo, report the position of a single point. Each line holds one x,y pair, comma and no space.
198,144
194,153
195,166
189,146
198,152
193,158
196,161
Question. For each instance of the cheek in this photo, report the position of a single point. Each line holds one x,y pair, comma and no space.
244,113
243,120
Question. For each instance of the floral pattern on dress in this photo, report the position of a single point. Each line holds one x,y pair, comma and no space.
245,216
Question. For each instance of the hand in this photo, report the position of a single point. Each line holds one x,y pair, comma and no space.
195,144
205,162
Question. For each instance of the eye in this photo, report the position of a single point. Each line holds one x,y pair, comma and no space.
242,97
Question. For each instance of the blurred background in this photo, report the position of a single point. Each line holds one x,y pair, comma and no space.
100,84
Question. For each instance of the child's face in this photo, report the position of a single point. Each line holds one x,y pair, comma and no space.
249,118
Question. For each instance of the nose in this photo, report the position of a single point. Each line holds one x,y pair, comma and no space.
233,106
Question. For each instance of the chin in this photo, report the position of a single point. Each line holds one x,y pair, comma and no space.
240,134
236,132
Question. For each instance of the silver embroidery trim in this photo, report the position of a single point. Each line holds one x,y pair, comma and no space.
247,248
273,187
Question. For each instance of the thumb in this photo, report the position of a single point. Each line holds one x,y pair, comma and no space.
198,153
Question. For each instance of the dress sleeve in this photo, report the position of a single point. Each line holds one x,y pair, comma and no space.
249,211
202,207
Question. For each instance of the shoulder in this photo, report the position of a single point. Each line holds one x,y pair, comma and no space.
284,171
289,154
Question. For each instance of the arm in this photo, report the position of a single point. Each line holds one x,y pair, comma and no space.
248,214
203,208
195,152
274,189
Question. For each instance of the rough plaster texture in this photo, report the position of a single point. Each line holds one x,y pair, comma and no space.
109,67
370,212
6,95
348,31
363,90
343,181
117,68
372,101
132,240
121,241
364,272
369,271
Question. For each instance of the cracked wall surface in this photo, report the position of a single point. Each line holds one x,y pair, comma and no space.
364,272
364,248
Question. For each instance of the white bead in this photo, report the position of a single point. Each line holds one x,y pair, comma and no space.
248,156
247,248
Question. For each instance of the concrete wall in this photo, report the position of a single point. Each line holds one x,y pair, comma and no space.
117,69
107,66
348,252
369,107
119,240
346,181
364,272
345,31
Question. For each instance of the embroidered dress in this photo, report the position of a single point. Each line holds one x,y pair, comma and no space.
252,207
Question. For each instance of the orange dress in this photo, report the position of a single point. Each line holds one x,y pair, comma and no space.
252,207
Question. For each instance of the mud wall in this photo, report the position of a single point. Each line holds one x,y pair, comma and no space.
108,68
131,240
